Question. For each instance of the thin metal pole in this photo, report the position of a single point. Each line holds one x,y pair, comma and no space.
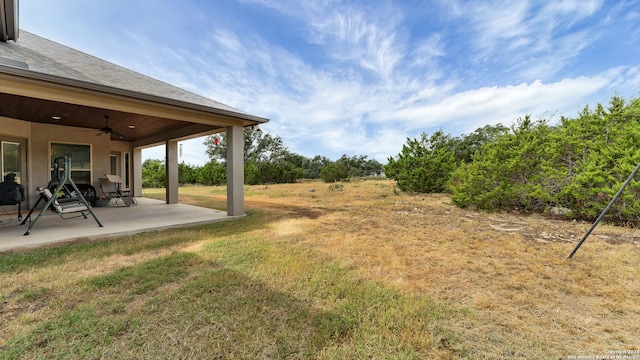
606,209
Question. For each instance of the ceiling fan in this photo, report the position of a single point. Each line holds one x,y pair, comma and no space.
107,130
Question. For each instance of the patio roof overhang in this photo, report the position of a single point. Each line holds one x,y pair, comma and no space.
143,119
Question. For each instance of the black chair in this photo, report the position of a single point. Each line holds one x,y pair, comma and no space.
12,193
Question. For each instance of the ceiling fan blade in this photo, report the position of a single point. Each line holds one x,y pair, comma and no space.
118,135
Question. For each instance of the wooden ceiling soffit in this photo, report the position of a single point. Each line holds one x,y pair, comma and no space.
183,133
36,88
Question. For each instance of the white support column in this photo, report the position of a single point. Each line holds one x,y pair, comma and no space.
171,165
137,172
235,171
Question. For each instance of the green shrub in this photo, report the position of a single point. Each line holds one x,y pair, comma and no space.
337,171
424,165
579,164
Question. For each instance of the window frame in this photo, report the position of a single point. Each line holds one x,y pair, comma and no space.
20,174
127,170
88,170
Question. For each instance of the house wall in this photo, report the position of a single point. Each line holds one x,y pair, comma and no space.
17,130
125,147
43,134
39,137
14,128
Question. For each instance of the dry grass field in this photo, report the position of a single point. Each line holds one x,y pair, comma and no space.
510,270
355,270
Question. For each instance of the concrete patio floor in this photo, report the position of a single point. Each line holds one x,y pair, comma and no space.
148,215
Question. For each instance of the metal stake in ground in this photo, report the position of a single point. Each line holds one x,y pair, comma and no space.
606,209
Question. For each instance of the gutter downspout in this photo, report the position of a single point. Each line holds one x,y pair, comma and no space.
9,20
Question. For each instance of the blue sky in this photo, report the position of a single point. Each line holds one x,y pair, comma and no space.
359,77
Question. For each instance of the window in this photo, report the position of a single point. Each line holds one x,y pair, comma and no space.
11,160
113,164
80,160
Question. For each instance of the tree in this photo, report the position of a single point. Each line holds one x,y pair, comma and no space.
424,165
335,171
187,174
359,165
347,167
372,167
258,146
596,152
153,173
312,168
465,146
508,172
266,158
212,173
578,164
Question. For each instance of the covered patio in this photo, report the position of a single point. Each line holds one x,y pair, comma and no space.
57,102
148,215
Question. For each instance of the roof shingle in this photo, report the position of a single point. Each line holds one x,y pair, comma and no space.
48,57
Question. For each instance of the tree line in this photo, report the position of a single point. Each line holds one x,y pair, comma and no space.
573,167
266,161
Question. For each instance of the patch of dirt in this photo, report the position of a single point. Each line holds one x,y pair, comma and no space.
532,227
547,229
14,305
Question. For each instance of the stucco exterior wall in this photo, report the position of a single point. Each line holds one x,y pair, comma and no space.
44,134
14,128
39,138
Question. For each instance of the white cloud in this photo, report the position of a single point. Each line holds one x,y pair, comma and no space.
575,9
531,39
366,38
466,111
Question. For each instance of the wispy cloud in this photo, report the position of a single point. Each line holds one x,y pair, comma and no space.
369,38
535,40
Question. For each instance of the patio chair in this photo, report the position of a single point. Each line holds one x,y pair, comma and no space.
111,187
64,208
12,193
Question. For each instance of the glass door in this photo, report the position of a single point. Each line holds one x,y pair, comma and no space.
12,160
13,163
